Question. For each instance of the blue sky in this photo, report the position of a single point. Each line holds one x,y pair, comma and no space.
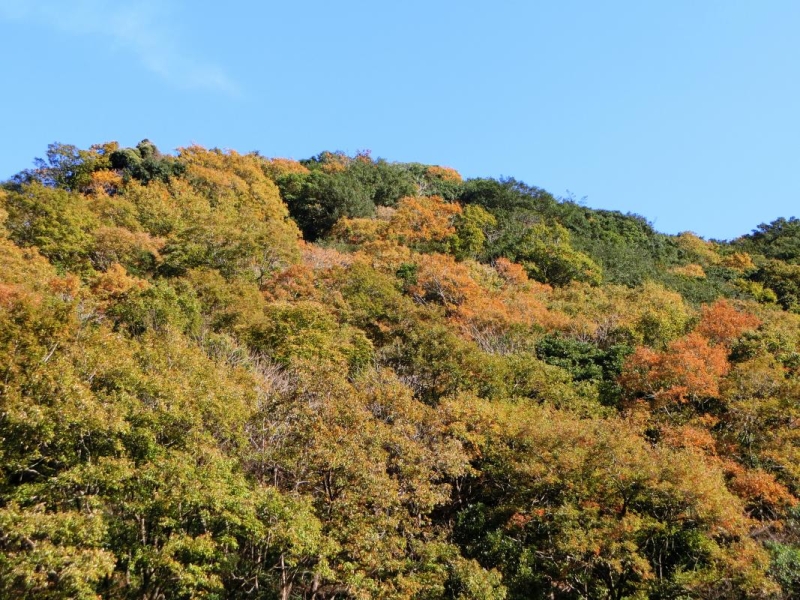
685,112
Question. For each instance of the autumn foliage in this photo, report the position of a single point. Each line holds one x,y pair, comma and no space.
689,368
722,323
231,376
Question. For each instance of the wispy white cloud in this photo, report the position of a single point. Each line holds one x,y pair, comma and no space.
139,27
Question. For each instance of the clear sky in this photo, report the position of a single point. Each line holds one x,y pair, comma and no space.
684,111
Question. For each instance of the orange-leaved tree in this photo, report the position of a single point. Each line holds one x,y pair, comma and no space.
722,323
688,369
425,224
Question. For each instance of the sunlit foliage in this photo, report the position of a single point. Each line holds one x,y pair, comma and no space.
231,376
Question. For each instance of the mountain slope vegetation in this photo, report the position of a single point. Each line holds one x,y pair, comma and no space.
231,376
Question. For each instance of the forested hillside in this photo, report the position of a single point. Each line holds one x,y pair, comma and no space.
230,376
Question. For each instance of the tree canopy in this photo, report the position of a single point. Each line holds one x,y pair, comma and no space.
232,376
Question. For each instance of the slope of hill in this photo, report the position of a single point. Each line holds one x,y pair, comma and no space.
228,376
